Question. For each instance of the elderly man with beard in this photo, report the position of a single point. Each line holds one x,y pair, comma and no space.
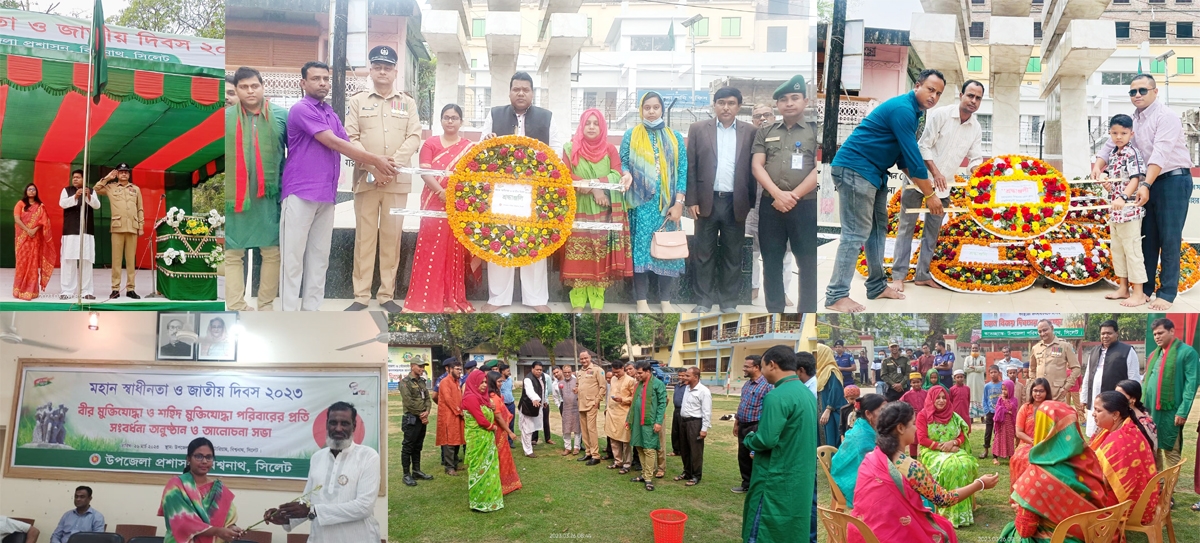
348,474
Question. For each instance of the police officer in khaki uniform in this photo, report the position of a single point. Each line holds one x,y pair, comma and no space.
894,373
383,121
1055,360
127,221
784,164
414,394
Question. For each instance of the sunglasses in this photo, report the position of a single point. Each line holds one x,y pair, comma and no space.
1142,91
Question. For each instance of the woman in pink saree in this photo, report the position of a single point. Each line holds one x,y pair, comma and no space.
34,251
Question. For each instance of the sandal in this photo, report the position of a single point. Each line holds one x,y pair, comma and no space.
623,471
649,486
613,466
691,482
638,479
681,477
659,475
1196,507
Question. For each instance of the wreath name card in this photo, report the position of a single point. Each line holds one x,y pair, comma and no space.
1018,197
968,260
1073,256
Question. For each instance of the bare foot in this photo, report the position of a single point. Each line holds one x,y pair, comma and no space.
930,283
898,286
489,308
846,305
1121,294
1160,304
1134,301
890,293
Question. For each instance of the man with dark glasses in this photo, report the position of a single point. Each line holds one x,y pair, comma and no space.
1165,191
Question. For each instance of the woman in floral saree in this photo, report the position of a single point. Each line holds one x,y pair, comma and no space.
1125,455
198,509
510,481
439,271
942,436
483,465
35,255
1064,478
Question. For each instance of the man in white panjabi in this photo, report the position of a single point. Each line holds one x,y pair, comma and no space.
343,511
533,395
79,206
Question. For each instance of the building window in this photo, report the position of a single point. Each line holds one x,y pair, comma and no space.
1120,1
650,43
474,63
731,27
1031,127
1158,1
589,27
975,64
1037,30
1158,66
1183,29
689,336
1034,66
776,39
700,29
977,1
778,7
985,124
477,28
708,365
1122,30
1116,78
976,30
1158,29
707,333
1183,66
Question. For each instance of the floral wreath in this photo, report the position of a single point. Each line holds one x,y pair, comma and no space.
504,239
1189,270
957,199
1077,271
1012,275
1018,221
1092,194
193,231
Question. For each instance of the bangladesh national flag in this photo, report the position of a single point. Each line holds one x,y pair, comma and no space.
671,36
99,62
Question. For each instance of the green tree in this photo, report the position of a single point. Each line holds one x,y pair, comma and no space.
426,84
550,329
507,333
964,324
209,195
655,330
203,18
458,332
611,332
1131,326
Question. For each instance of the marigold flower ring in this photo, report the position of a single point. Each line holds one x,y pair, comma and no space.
967,261
511,201
1075,255
893,209
1018,197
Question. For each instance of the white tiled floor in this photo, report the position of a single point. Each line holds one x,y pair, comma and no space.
101,284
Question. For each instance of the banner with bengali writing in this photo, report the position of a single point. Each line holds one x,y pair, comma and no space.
263,423
48,32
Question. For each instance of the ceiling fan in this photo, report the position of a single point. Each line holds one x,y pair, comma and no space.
8,334
382,337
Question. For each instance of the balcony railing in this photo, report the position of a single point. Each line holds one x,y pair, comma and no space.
759,329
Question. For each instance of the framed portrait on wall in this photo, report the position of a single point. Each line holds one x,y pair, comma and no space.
217,339
177,337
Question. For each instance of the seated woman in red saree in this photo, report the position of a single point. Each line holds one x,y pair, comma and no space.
1124,453
439,271
895,483
34,251
510,481
1039,393
1064,478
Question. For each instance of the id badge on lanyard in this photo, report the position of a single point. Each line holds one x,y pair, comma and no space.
798,157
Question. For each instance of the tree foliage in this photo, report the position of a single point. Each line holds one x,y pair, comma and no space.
550,329
1131,326
203,18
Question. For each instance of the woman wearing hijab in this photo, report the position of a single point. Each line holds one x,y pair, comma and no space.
483,463
198,509
1125,455
595,259
942,436
655,157
829,393
1004,423
859,441
34,253
1064,478
510,480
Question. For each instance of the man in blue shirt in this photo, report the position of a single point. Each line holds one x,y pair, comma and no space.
506,394
845,362
944,362
80,519
887,137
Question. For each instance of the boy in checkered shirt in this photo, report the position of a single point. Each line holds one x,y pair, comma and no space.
1124,170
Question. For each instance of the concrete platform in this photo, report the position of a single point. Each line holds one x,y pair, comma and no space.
101,284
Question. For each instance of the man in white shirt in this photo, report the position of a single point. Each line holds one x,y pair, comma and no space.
1008,360
532,396
79,206
10,525
697,419
1103,369
343,511
521,118
951,133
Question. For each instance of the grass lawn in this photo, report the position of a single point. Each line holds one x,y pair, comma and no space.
564,499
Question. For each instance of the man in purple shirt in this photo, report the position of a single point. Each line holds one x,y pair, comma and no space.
1164,193
316,143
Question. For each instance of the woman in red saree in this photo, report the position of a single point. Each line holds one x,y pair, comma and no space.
438,280
35,256
1026,418
510,481
195,507
1125,455
1064,478
895,483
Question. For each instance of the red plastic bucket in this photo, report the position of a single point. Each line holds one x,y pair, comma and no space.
668,525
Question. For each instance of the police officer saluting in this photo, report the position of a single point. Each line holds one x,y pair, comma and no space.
414,393
127,222
784,164
385,122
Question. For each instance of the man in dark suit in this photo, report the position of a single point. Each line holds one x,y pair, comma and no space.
176,347
720,193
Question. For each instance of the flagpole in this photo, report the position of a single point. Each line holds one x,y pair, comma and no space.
87,131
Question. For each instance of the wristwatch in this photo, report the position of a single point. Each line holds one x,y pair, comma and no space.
1144,184
312,513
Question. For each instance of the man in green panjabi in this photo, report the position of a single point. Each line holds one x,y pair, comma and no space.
255,144
785,455
1170,386
645,420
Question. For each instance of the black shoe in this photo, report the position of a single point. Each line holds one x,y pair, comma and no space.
356,307
391,306
592,461
408,480
132,295
115,294
582,458
421,475
738,490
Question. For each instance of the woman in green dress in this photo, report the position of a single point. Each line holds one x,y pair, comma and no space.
596,259
942,436
483,462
